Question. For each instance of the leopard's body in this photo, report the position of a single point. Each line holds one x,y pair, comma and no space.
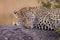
32,16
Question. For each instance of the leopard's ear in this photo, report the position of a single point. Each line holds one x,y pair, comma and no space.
15,11
15,14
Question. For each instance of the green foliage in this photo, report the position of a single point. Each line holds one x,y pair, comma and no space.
47,5
58,1
58,38
58,30
58,5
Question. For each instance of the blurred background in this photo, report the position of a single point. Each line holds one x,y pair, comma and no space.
7,8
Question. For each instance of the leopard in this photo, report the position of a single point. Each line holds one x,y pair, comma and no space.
36,17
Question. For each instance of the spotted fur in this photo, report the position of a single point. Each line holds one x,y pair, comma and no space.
46,18
43,27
